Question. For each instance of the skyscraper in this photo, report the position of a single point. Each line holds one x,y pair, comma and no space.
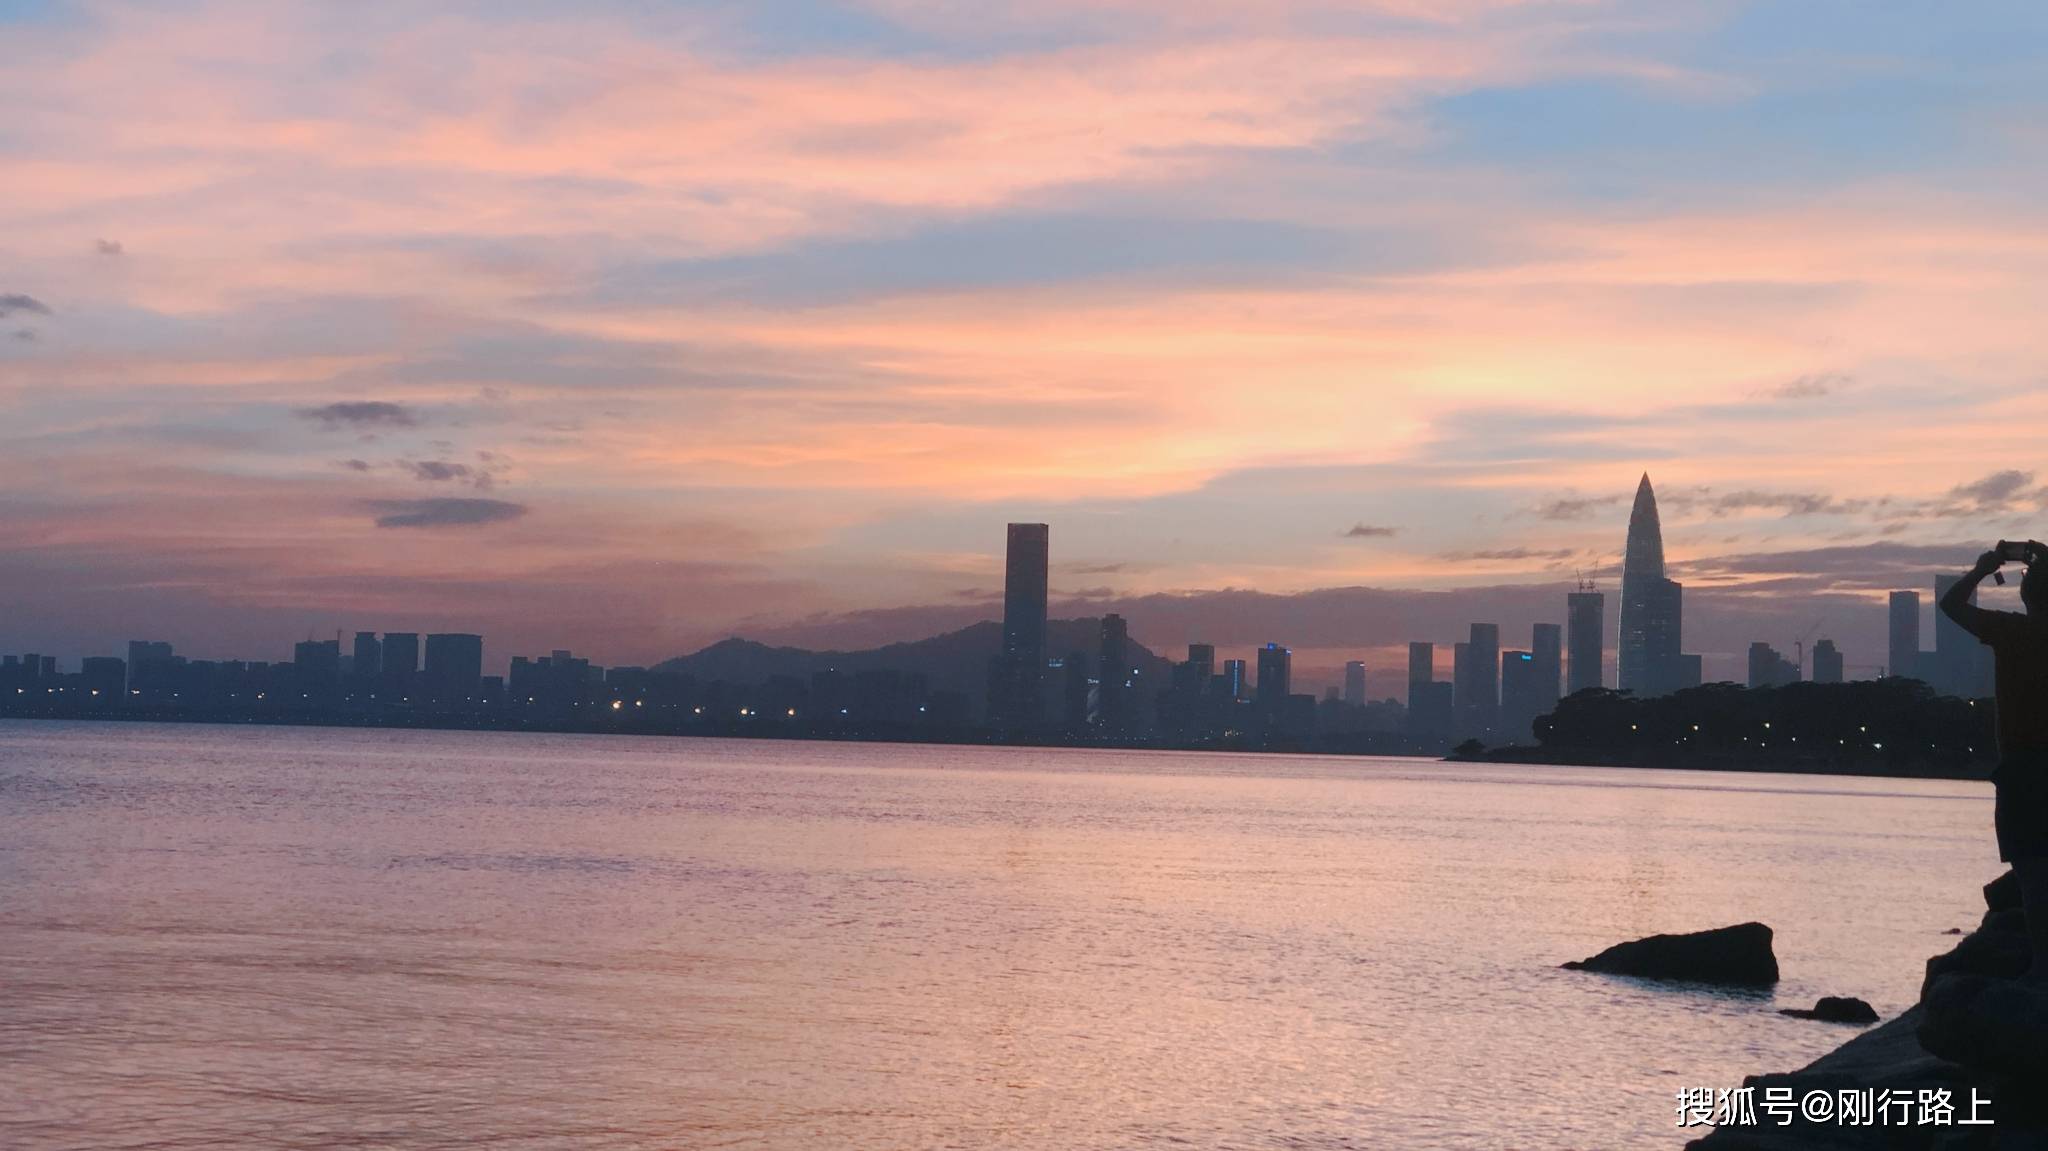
1016,677
1478,683
400,664
1421,664
1202,662
455,668
1827,662
1651,606
1767,668
366,663
1586,620
1904,653
1546,649
1354,683
1234,686
1114,687
1522,695
1276,673
1962,664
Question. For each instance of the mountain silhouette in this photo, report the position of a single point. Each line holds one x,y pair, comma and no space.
953,661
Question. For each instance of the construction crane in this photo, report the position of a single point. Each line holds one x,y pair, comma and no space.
1799,645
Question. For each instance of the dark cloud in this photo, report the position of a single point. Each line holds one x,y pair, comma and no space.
24,334
1369,532
361,414
1547,554
437,471
356,465
1994,490
108,247
1094,569
1811,387
13,302
439,513
1790,503
1572,507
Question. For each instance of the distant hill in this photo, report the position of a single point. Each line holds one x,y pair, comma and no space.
954,660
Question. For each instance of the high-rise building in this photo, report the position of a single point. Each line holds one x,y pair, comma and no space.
1234,684
1202,663
1114,688
1016,677
366,661
1074,691
1275,678
1478,681
1421,663
1904,653
1522,695
1767,668
455,669
400,665
316,667
1652,607
1354,683
1586,620
152,670
1962,664
1827,662
1546,649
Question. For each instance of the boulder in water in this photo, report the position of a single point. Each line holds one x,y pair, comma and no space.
1835,1009
1740,956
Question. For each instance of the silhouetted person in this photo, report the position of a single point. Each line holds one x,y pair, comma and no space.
2019,641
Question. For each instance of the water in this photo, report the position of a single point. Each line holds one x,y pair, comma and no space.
300,938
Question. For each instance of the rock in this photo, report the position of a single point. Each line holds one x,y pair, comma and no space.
1988,1024
1740,956
1835,1009
1999,948
2003,893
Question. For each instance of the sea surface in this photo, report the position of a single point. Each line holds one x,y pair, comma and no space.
317,938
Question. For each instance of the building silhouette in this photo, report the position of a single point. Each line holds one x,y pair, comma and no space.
1431,705
1827,662
1961,665
1521,696
1276,675
1016,696
1354,683
1476,679
399,666
1116,686
1546,648
1586,625
455,669
1767,668
1652,608
1903,656
1235,685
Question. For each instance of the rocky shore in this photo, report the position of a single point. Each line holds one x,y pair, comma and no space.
1977,1034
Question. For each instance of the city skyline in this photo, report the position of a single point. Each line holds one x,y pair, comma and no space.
1023,690
477,323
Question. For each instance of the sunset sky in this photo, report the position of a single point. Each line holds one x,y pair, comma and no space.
629,326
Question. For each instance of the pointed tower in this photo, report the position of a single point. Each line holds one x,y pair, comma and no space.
1651,606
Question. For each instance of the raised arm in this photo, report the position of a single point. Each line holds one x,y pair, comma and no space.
1956,604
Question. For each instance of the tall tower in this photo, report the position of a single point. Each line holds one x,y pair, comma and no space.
1113,671
1354,683
1904,652
1016,695
1586,625
1651,605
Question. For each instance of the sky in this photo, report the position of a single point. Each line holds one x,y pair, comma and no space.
626,326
